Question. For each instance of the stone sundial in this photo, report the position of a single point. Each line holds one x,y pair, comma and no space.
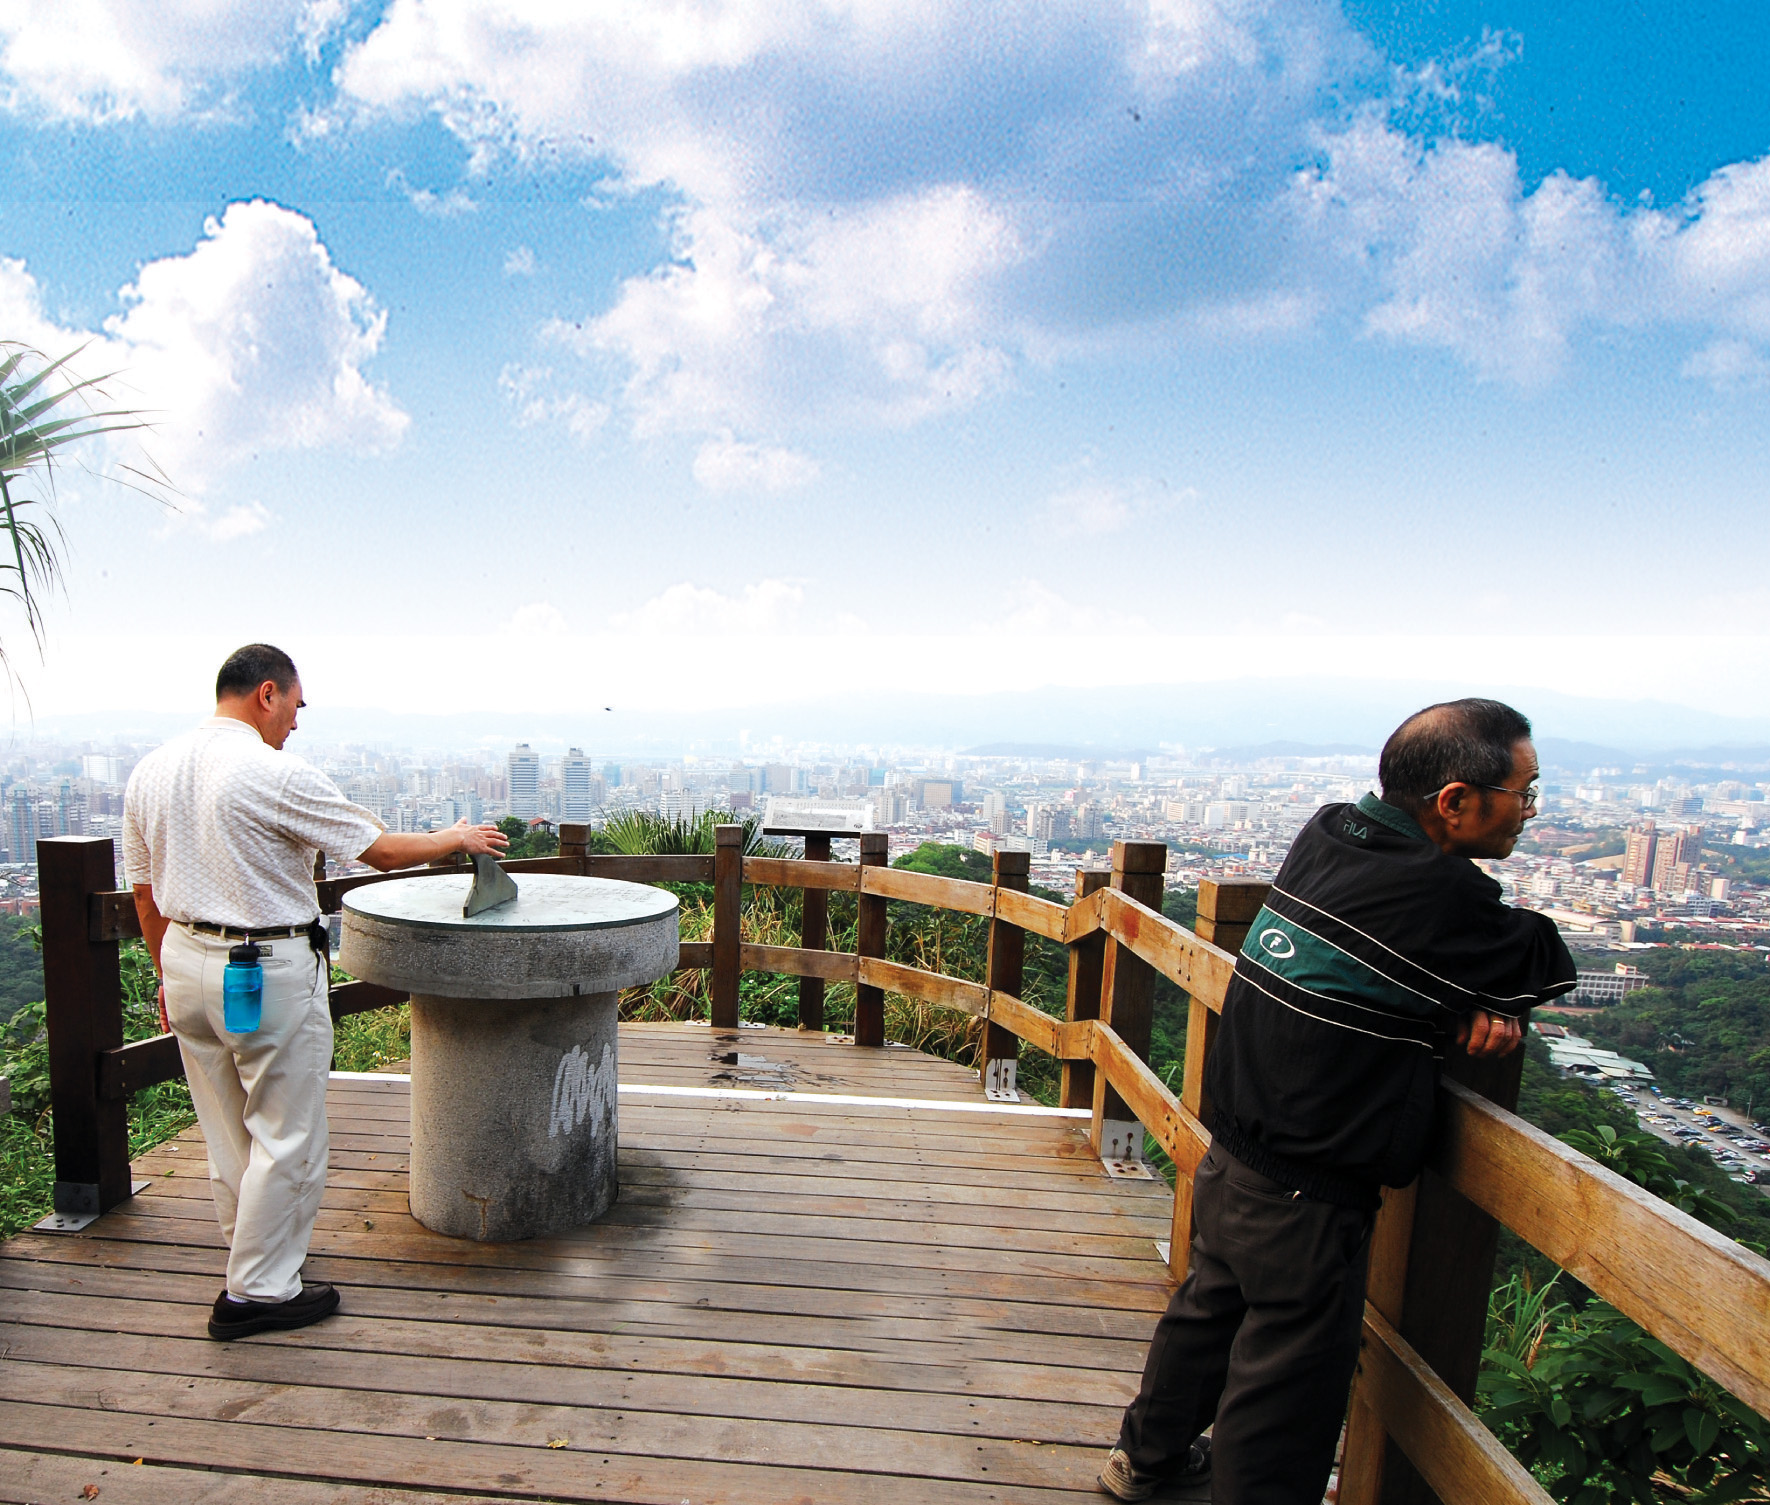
513,1036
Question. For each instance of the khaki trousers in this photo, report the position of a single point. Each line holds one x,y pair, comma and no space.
261,1101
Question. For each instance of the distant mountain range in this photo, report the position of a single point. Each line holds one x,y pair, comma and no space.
1246,718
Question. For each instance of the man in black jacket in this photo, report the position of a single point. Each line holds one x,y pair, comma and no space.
1380,946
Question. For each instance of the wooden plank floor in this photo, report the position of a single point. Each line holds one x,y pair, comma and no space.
792,1301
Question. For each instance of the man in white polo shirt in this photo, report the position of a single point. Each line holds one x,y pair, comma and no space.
220,831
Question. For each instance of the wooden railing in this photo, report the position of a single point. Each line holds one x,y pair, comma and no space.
1410,1431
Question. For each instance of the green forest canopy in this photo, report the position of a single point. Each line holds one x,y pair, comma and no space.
21,965
1703,1027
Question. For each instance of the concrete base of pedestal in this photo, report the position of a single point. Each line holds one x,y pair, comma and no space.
513,1114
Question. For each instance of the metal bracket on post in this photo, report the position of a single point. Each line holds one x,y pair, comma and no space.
1121,1150
998,1080
76,1206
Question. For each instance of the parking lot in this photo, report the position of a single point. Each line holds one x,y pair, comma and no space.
1738,1146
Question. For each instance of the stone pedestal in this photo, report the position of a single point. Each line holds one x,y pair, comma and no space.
514,1049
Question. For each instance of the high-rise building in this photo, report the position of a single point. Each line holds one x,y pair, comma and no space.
578,792
611,775
781,778
22,831
523,768
1637,865
70,811
887,802
102,768
1675,858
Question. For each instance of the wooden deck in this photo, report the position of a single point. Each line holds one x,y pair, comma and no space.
792,1301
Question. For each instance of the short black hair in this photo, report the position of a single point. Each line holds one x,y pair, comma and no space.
247,668
1456,741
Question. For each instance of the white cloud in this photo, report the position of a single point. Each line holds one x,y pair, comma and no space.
1455,254
255,341
768,606
854,239
873,313
428,202
187,514
1720,252
109,60
1031,606
240,522
252,342
1095,507
1728,365
318,22
520,263
1444,247
540,398
539,619
727,464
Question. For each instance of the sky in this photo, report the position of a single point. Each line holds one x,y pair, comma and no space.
505,354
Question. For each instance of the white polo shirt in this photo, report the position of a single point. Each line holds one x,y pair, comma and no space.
226,828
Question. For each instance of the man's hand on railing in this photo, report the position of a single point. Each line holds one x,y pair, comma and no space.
1483,1034
395,849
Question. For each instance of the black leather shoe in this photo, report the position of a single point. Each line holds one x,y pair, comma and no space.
236,1319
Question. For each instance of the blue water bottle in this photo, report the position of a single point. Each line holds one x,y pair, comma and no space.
242,990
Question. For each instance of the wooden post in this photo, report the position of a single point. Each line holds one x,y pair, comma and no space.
1086,957
1363,1458
1127,996
728,894
998,1052
814,934
1224,912
1450,1263
871,920
83,991
574,839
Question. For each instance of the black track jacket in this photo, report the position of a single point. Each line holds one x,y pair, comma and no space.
1370,947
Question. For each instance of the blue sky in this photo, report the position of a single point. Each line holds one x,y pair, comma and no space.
756,351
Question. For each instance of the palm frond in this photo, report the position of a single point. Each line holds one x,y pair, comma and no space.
44,409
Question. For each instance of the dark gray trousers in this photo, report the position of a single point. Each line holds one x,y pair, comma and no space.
1261,1339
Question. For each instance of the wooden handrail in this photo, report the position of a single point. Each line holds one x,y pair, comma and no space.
932,987
1175,1129
791,872
958,894
799,961
1443,1438
1030,912
1201,969
1616,1237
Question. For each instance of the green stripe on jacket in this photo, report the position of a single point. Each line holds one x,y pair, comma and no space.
1284,948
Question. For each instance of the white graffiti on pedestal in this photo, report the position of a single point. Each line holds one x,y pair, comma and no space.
582,1090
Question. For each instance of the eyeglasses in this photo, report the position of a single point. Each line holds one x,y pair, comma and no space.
1527,795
